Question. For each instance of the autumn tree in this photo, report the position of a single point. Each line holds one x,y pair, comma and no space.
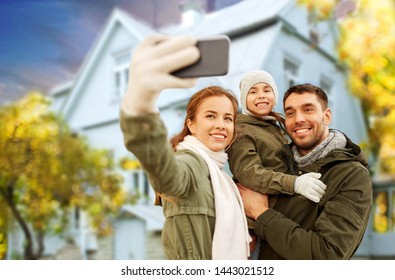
367,47
45,170
3,230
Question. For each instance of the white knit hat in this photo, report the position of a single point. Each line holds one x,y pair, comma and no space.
249,80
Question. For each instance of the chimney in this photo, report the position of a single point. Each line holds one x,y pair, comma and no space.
191,12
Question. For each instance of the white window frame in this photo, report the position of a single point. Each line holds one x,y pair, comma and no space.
121,72
75,218
327,85
140,185
291,75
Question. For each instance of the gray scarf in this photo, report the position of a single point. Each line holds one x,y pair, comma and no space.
335,140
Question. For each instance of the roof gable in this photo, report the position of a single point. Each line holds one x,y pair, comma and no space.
136,29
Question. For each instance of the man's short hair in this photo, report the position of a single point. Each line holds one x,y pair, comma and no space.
302,88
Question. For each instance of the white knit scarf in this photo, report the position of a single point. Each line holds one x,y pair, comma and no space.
231,238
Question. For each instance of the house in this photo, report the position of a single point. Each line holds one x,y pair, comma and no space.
274,35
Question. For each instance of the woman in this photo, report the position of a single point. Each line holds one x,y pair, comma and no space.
203,209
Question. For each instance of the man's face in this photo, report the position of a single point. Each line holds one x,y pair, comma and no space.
306,121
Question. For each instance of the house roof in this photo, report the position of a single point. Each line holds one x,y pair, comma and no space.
61,88
258,52
152,215
234,19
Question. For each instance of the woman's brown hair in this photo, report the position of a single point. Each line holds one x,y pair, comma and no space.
194,104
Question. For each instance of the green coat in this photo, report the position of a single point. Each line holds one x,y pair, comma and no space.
258,158
189,207
332,229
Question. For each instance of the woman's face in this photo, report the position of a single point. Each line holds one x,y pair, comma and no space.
260,99
213,124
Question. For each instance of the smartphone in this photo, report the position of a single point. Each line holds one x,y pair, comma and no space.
213,61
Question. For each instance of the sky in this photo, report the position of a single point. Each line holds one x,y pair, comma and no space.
43,42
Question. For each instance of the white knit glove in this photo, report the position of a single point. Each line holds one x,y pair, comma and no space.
149,73
310,186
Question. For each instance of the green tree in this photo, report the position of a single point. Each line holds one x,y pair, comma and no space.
367,47
45,170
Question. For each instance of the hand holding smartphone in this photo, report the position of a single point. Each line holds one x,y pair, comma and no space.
213,61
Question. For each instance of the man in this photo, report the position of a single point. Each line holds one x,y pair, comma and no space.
297,228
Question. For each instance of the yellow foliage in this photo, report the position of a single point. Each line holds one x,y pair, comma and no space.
367,46
3,230
321,9
49,169
94,209
129,164
3,248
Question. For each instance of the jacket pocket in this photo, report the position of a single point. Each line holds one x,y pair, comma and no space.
346,212
340,226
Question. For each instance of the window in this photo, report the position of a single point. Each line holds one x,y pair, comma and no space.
135,181
393,212
383,208
141,186
75,218
327,85
380,214
121,73
291,71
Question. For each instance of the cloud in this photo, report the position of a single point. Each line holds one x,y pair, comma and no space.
18,91
16,83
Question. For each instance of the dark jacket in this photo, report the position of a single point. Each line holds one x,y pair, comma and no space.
298,228
258,158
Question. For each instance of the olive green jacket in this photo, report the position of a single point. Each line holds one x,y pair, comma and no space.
298,228
258,158
188,205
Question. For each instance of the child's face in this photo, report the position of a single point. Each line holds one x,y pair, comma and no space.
260,99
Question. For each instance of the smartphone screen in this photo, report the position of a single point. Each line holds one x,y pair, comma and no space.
213,61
